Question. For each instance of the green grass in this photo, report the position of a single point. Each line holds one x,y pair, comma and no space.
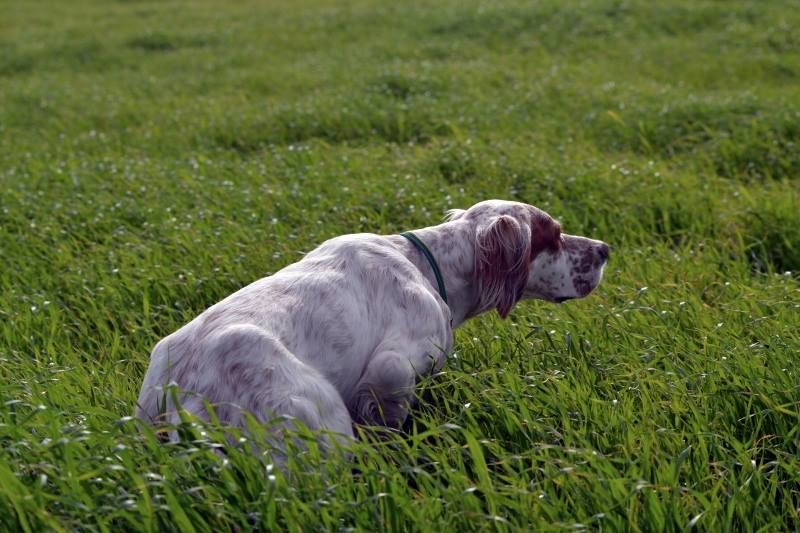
156,156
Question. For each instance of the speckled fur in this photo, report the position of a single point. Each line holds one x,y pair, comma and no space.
342,335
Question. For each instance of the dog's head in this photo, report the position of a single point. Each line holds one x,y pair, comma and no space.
520,252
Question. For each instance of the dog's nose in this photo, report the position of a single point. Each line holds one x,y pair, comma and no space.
602,251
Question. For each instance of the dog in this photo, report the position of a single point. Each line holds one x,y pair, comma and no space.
343,335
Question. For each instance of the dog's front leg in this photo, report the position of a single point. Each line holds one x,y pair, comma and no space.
386,390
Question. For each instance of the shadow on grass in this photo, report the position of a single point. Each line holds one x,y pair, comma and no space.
738,140
338,122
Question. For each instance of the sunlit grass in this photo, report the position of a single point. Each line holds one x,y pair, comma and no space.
155,157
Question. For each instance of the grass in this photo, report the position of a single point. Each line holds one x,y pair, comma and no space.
156,156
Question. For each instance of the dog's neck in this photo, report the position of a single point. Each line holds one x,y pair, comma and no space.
452,245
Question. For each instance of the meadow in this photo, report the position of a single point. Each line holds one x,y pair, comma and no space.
157,156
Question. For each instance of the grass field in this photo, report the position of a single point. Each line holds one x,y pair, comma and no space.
157,156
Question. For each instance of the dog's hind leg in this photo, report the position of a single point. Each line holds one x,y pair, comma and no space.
242,368
266,379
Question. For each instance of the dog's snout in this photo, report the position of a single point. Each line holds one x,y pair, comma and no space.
603,251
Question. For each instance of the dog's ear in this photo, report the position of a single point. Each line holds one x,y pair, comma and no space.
454,214
502,252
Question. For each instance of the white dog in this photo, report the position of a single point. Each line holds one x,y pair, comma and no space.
342,335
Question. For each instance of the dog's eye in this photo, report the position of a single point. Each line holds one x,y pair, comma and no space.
558,241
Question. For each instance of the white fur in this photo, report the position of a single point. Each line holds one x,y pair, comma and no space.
342,335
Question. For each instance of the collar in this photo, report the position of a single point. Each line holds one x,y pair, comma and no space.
429,256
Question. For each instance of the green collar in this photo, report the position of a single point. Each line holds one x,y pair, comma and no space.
429,256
